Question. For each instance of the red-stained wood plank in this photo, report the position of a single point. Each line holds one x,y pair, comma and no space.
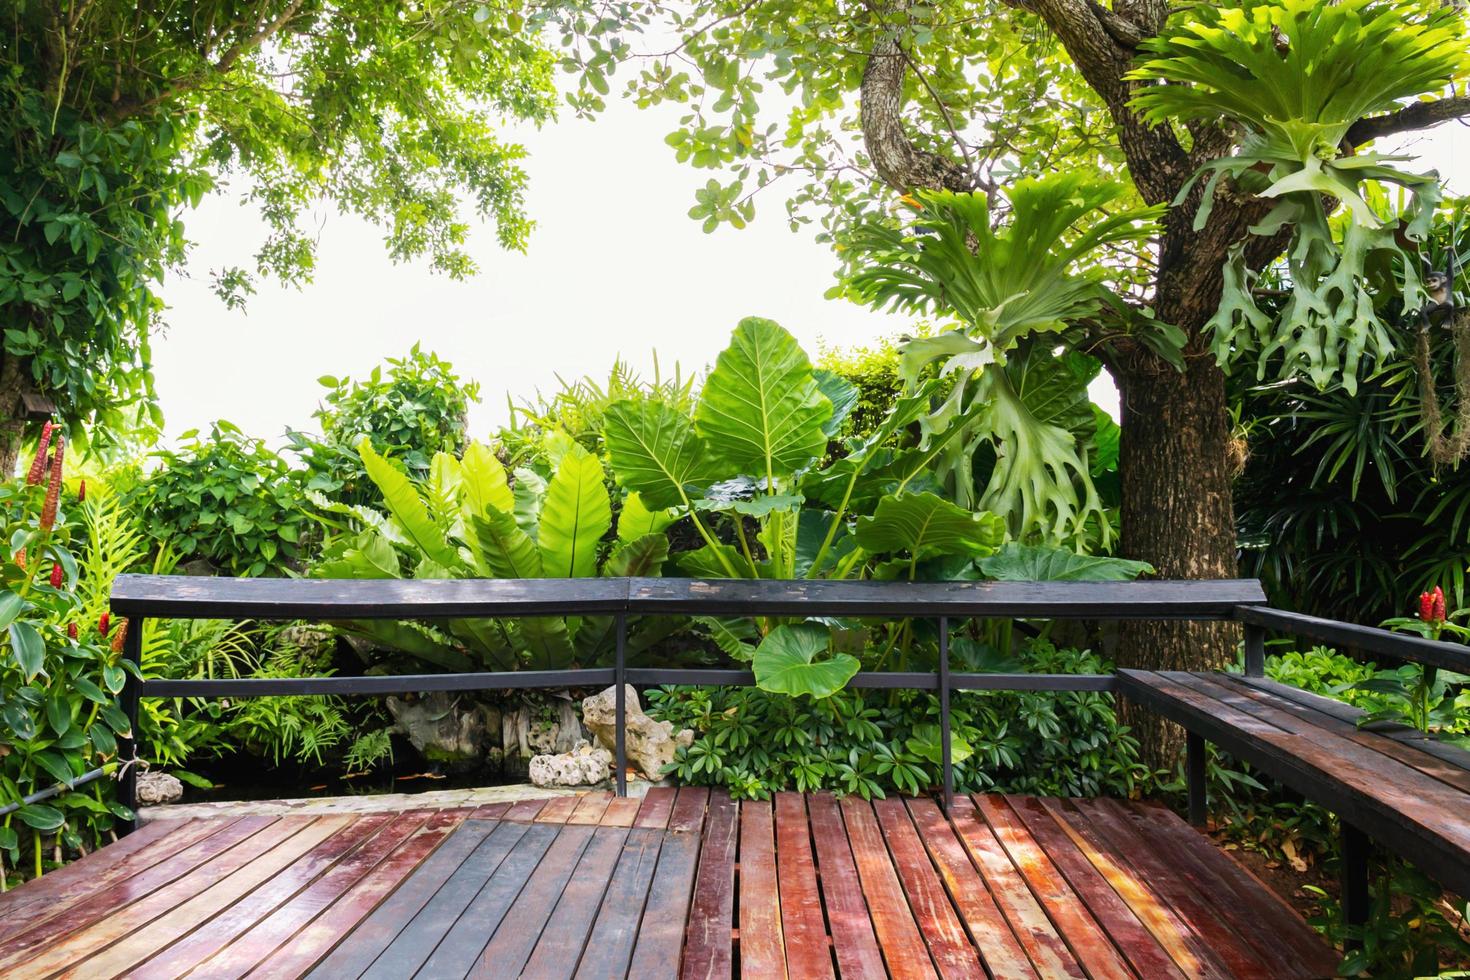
657,804
707,945
139,900
808,953
1035,932
656,953
181,957
1139,946
419,937
898,935
949,944
1171,882
359,900
456,954
121,940
1252,898
1093,949
762,947
558,809
688,814
562,941
47,925
621,811
853,941
54,892
988,929
525,809
610,946
590,808
489,811
511,946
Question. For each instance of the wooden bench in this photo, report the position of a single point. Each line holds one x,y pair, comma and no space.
1399,787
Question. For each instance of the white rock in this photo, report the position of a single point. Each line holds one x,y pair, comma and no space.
650,744
583,766
156,788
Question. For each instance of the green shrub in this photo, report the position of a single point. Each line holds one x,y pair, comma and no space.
755,742
226,498
419,408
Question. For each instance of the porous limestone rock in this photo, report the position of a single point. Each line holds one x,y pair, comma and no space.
584,765
157,788
649,744
443,728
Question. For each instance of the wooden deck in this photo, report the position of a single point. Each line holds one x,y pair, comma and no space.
687,884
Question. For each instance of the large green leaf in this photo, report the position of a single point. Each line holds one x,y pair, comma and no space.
574,516
635,520
500,548
843,395
485,483
655,452
786,662
1023,563
761,410
407,507
28,648
640,558
925,525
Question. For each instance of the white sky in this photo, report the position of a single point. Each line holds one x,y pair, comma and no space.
615,266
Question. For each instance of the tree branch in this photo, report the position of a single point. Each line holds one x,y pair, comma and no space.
1420,115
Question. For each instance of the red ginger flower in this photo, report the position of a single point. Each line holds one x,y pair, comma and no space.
53,489
1439,610
120,636
72,631
81,491
1431,606
20,557
102,623
38,465
57,576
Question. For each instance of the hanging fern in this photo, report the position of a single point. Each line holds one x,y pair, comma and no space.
1296,75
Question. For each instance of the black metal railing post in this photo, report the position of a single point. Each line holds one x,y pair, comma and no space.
620,669
127,746
1355,893
945,751
1194,775
1255,650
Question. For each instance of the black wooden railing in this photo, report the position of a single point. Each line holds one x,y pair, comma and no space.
140,597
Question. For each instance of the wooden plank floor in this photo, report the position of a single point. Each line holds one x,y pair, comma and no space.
685,883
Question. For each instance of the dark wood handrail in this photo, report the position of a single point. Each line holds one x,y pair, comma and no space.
1368,639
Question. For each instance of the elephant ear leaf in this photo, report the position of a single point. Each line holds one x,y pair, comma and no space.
636,521
574,517
655,452
762,411
639,558
926,525
786,662
1023,563
843,395
407,507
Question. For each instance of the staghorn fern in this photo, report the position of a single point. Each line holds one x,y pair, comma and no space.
1296,75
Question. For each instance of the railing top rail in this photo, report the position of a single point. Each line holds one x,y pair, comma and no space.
1368,639
184,597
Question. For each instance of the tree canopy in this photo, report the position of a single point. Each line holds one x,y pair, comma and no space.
119,116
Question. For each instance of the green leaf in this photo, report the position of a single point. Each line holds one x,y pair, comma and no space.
786,663
58,713
574,517
485,483
1023,563
641,557
500,547
635,520
925,525
29,649
927,743
655,452
56,766
843,395
19,720
407,507
11,605
41,817
761,410
113,678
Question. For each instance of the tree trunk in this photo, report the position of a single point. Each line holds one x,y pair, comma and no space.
12,418
1177,515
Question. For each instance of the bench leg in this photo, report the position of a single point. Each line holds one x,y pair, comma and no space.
1355,897
1194,775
